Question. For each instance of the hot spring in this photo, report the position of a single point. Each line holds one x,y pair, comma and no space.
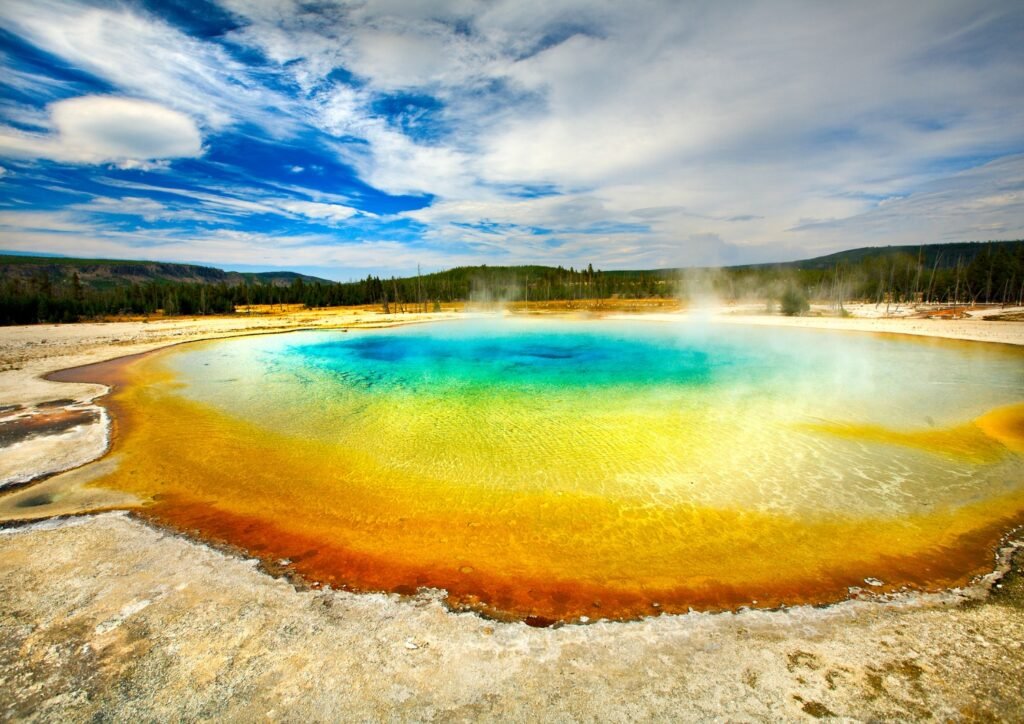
574,470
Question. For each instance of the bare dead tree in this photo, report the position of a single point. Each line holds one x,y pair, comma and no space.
888,295
931,280
956,293
917,276
991,272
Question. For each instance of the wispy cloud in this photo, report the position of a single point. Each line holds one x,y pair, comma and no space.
666,133
981,203
241,202
147,57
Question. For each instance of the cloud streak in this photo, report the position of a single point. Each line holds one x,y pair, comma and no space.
557,132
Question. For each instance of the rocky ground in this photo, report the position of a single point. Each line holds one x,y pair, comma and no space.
104,617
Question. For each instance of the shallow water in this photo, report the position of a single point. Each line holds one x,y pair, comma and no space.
598,469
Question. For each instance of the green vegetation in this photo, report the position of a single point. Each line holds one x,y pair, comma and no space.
53,289
955,274
793,302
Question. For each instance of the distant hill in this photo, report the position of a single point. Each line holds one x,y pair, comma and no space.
947,255
278,278
109,273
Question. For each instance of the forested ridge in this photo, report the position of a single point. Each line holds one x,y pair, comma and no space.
53,289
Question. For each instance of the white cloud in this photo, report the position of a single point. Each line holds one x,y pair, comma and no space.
978,204
743,122
668,131
389,160
398,60
149,58
40,221
144,208
27,81
220,247
314,210
231,204
107,129
982,203
558,211
393,163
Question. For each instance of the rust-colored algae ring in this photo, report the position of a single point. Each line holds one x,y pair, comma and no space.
552,471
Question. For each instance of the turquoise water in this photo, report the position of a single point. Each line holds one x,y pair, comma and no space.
871,378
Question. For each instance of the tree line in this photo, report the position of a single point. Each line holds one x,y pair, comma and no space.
41,298
993,274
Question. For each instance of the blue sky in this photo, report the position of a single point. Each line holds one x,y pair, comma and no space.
346,138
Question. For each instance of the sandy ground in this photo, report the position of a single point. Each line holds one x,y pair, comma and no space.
982,325
102,616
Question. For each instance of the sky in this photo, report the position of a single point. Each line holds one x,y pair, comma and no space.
378,136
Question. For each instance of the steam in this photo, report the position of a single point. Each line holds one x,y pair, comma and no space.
698,294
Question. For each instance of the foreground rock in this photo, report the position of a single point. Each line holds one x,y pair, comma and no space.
105,617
